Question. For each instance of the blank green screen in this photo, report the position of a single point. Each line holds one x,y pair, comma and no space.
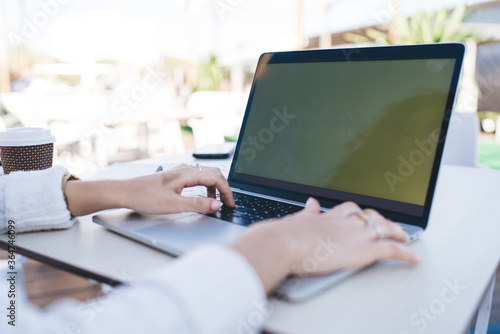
364,127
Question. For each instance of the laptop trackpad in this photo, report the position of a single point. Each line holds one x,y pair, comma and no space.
184,233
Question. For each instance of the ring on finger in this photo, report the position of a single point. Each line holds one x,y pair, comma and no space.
199,167
379,230
364,216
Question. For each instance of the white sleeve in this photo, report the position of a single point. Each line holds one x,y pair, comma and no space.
210,290
34,200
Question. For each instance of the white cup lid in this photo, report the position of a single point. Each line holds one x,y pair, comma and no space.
26,137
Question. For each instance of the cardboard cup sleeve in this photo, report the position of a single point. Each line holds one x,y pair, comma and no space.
26,158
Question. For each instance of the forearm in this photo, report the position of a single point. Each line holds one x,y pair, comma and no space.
158,193
86,197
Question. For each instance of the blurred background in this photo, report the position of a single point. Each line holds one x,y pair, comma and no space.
129,79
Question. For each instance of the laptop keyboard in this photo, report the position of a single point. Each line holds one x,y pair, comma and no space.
249,209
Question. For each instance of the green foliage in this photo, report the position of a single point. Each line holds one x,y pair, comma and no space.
186,130
210,75
422,28
489,153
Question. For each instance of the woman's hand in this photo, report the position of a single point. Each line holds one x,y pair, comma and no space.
312,243
159,193
306,243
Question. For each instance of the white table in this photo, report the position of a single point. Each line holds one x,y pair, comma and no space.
460,247
461,244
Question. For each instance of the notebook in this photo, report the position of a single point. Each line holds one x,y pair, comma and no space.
364,124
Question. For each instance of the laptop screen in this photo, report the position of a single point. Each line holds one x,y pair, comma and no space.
365,131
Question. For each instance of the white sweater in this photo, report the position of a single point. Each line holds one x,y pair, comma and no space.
34,200
211,290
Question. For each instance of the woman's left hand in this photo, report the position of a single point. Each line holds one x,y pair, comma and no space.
160,193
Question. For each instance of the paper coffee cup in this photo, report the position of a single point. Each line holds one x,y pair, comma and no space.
26,149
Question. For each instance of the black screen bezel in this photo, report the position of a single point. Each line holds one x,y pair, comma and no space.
408,52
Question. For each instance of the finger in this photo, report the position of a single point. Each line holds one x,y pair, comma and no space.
376,229
387,250
360,255
344,209
389,230
354,220
224,200
312,206
181,166
193,177
198,204
386,228
373,214
226,195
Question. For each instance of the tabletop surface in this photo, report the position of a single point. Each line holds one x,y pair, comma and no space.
460,251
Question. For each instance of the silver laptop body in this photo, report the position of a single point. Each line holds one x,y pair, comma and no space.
366,125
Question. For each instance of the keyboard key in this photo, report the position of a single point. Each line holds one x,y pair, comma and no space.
250,209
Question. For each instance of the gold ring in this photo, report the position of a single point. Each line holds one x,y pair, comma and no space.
364,216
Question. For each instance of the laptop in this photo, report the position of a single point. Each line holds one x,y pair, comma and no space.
362,124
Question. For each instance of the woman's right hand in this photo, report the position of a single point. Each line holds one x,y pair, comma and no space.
312,243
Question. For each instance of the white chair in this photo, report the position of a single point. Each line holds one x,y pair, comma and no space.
462,142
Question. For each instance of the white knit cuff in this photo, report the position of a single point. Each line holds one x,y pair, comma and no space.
34,200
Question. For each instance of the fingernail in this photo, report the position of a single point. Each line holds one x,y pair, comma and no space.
215,205
309,202
417,258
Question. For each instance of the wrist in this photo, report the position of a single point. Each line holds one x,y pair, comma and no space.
85,197
66,178
268,252
122,193
119,193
